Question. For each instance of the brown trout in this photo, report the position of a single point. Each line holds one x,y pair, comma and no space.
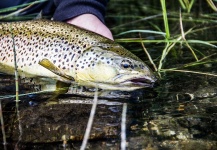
70,54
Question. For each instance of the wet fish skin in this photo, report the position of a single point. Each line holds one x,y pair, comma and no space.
74,54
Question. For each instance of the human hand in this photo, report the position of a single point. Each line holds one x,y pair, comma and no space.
92,23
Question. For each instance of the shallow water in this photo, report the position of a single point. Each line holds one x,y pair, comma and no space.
180,113
164,118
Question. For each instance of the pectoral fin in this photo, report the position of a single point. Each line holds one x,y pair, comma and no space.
50,66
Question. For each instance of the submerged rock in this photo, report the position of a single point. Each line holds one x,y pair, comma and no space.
50,123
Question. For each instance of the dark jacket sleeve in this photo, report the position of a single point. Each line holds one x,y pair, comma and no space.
66,9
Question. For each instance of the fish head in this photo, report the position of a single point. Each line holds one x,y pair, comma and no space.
112,70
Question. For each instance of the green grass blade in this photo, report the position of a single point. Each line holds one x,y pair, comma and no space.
143,31
166,25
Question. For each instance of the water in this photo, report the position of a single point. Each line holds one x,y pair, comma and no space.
169,119
180,113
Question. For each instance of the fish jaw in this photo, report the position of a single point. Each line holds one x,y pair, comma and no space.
129,85
135,80
140,82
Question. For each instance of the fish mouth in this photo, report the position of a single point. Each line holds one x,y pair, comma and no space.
141,82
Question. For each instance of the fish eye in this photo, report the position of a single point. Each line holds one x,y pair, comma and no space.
126,64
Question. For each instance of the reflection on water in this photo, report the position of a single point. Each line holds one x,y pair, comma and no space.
161,120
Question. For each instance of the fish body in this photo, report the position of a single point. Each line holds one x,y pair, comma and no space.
70,54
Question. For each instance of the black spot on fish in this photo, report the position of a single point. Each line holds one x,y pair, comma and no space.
72,57
65,56
82,67
79,52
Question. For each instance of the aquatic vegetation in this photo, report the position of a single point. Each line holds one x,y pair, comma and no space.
175,38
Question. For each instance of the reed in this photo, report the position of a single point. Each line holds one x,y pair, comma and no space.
90,121
168,39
